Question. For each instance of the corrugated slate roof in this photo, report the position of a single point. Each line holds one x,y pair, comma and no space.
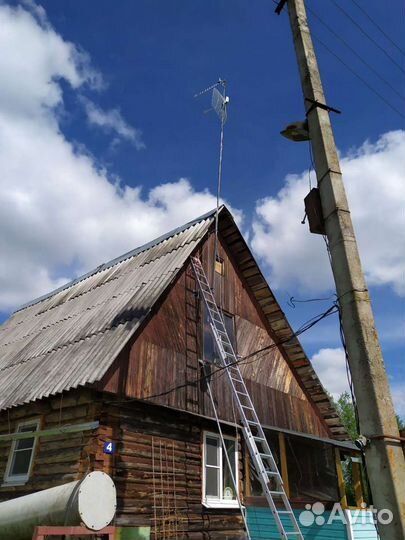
71,336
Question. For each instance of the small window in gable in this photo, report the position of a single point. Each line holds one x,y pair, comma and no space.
21,455
219,266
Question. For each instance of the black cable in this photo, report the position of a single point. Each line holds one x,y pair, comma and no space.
359,77
353,51
402,51
346,14
243,361
349,374
292,301
353,396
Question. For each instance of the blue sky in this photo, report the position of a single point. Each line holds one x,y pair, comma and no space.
104,147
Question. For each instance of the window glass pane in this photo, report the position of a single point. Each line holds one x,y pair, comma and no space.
209,348
228,485
21,462
26,443
210,353
211,482
311,469
211,451
255,486
27,428
230,328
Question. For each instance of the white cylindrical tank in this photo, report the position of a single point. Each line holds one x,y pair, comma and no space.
91,501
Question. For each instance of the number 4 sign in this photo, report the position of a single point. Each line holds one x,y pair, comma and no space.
109,447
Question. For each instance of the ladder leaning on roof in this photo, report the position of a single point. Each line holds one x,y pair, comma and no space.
259,449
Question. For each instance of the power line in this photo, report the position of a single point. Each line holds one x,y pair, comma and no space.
354,72
346,14
246,360
402,51
339,37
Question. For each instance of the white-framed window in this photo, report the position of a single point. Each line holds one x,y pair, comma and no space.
218,488
21,456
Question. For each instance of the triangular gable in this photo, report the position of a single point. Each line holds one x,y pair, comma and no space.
72,336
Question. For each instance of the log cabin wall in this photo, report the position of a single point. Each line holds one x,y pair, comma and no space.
57,459
157,470
166,355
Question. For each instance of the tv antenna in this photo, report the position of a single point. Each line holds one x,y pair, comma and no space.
219,104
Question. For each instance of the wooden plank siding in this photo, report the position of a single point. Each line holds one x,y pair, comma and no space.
158,473
60,458
166,355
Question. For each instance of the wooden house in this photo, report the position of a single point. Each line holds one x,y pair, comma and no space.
107,373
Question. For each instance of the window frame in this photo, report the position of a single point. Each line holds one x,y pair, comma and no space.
205,322
219,502
20,479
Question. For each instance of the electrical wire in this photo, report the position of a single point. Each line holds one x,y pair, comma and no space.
354,72
402,51
245,360
292,301
348,370
348,16
353,51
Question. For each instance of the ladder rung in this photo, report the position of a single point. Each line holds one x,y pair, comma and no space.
259,438
272,473
256,439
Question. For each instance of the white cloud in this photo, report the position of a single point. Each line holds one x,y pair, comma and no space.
60,212
398,395
112,122
374,178
330,366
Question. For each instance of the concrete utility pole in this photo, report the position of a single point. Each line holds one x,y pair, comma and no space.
383,454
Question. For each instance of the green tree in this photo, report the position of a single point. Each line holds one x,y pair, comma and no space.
345,409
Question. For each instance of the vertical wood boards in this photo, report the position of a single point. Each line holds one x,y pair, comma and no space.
163,363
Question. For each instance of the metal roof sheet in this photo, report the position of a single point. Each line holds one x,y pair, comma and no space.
71,336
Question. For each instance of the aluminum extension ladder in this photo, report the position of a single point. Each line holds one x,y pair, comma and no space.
259,449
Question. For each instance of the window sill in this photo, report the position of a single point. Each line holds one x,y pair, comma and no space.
12,483
220,504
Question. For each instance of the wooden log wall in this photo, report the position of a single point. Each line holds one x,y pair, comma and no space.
158,474
58,459
166,356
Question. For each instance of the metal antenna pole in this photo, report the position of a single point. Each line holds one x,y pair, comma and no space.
221,153
383,452
219,105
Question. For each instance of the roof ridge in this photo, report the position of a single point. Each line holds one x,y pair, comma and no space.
121,258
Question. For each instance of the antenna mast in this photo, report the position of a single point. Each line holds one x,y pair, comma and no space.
219,103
